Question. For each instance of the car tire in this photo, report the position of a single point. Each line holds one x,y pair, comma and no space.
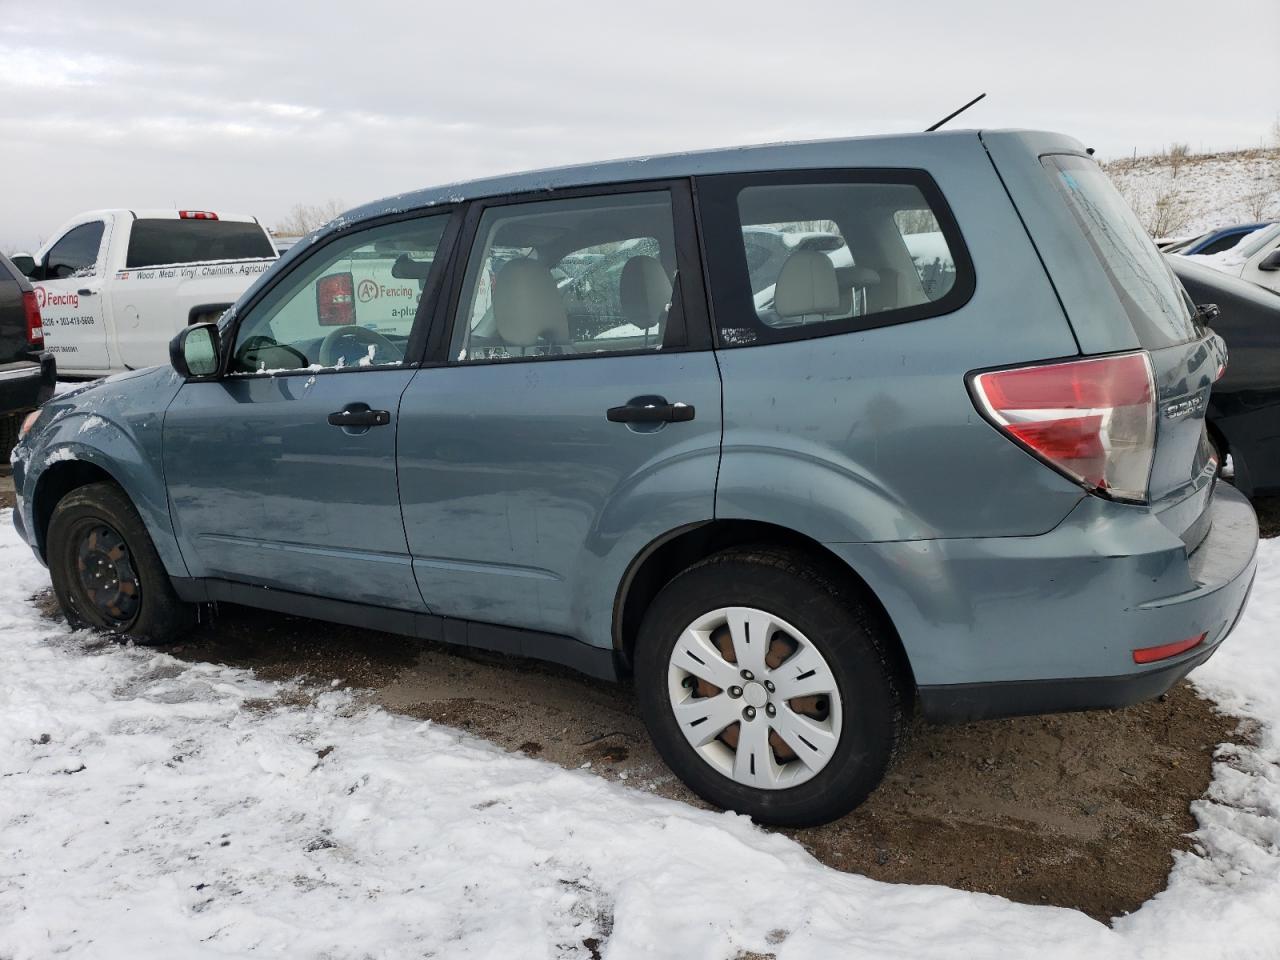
106,572
801,611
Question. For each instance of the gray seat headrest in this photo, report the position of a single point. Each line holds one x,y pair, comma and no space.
527,307
645,291
806,285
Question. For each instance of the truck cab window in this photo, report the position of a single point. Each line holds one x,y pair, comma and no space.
76,254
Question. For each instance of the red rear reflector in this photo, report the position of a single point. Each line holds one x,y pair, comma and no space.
336,300
1093,420
1167,650
35,326
196,215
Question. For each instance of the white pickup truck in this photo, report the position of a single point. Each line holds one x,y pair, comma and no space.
114,286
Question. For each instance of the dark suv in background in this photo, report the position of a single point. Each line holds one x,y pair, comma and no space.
26,376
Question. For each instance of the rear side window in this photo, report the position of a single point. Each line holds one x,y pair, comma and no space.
811,254
159,242
1151,295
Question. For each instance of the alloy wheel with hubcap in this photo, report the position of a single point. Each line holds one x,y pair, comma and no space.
767,688
754,697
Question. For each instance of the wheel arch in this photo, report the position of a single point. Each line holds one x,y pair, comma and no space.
54,483
65,467
679,549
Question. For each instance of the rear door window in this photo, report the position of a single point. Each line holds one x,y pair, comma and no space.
812,254
571,278
1151,295
158,242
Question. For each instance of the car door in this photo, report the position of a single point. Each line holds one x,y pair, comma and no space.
282,471
69,293
572,417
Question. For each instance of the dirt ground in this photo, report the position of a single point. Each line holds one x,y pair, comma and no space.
1075,810
1268,509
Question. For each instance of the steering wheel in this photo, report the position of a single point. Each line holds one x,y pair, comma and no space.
331,348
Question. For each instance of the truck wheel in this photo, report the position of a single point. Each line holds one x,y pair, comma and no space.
766,690
106,572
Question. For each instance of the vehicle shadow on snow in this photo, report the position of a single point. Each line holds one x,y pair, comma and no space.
1074,810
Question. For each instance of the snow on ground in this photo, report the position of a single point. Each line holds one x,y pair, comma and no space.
1208,190
155,808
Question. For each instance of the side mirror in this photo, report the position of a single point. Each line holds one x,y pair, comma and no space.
25,263
1271,261
194,352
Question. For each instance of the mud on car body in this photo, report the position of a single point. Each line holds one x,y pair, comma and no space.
978,480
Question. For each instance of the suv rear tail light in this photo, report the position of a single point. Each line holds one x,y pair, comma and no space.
1093,420
336,300
35,326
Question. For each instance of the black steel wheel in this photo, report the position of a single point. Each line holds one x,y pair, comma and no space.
106,579
105,569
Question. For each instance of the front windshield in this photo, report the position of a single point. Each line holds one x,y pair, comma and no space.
1258,239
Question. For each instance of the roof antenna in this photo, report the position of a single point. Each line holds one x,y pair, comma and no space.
952,116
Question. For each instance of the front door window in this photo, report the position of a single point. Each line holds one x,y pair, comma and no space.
353,307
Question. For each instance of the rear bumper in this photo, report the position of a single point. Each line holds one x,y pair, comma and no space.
1022,625
964,702
24,385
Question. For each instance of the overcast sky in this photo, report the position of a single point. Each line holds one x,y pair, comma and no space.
253,107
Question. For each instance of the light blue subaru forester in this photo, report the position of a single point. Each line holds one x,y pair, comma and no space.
793,436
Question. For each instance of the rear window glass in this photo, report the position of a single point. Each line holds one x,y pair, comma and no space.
156,242
1146,286
828,253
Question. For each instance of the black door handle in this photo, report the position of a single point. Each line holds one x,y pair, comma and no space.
85,292
650,410
359,415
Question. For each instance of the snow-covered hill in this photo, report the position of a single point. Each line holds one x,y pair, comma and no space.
1188,195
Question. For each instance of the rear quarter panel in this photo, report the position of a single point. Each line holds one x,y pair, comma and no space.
872,436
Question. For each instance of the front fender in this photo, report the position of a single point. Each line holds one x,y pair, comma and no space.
125,447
